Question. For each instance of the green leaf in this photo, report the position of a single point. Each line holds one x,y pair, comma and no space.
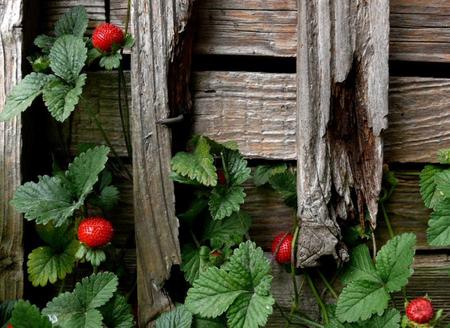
262,173
6,309
442,180
117,313
198,166
128,43
178,318
61,98
39,64
84,170
46,264
78,309
56,237
108,198
360,266
95,256
444,156
235,167
285,183
438,232
194,261
428,186
224,201
26,315
67,57
228,231
241,288
44,42
198,205
45,201
92,55
389,319
22,95
360,300
73,22
208,323
110,62
394,261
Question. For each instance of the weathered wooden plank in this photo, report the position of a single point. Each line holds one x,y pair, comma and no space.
257,111
56,8
419,117
420,30
11,222
342,104
157,71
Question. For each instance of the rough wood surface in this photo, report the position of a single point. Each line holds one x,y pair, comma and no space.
54,9
420,30
11,222
419,118
258,111
159,29
342,104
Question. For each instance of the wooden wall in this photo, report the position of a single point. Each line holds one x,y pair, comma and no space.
256,107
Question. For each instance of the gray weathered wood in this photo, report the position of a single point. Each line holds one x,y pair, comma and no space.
11,223
342,104
159,53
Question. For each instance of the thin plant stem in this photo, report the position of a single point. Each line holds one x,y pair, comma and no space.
319,301
327,284
387,221
301,320
194,238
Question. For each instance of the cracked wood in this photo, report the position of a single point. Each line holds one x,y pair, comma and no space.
342,104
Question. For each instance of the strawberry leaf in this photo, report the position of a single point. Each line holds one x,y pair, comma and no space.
428,187
263,173
208,323
438,232
110,62
360,266
197,166
194,261
442,180
444,156
286,185
241,288
360,299
44,42
45,201
389,319
229,231
224,201
107,199
178,318
26,315
394,261
84,170
67,57
95,256
23,94
47,264
235,167
61,98
73,22
117,313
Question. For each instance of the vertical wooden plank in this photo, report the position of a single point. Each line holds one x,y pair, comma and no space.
158,69
11,224
342,104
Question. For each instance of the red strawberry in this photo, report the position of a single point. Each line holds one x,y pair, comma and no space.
10,326
221,179
420,310
106,35
282,247
216,253
95,231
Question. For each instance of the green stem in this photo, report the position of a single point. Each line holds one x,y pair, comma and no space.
387,221
95,269
327,284
319,301
300,320
194,238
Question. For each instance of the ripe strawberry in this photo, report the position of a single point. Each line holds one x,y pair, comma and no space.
221,179
216,253
282,243
106,35
420,310
95,232
10,326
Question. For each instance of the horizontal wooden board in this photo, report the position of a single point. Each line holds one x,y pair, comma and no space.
257,110
420,30
56,8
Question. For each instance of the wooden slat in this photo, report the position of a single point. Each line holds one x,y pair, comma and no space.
419,117
11,222
56,8
420,30
258,111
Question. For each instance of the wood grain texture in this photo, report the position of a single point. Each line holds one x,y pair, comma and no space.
54,9
418,119
11,222
420,30
342,104
158,29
